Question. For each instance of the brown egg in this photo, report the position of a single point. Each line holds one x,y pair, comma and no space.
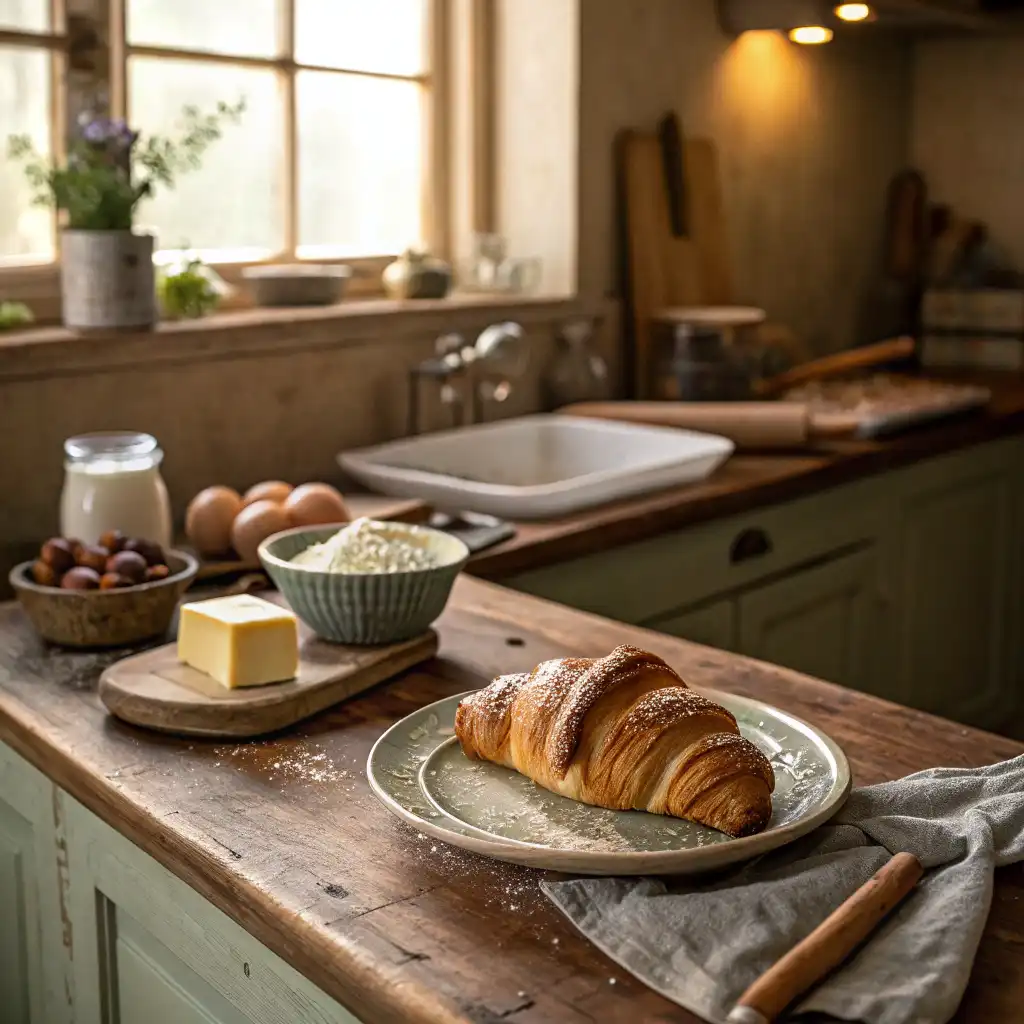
269,490
316,505
209,517
254,524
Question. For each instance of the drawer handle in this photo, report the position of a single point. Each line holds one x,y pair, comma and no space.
752,543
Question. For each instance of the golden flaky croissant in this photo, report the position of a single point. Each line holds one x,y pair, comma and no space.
623,732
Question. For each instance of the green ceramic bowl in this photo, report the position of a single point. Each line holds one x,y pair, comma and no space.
370,608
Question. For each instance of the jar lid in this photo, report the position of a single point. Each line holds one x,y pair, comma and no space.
116,445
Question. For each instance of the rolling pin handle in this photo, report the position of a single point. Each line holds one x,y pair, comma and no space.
750,543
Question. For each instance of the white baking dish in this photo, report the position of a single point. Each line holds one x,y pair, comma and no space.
537,467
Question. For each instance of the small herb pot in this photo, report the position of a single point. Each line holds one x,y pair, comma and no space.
107,280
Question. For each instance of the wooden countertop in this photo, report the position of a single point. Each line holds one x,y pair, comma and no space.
748,481
396,927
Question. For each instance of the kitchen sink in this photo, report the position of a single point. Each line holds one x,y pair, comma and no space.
537,467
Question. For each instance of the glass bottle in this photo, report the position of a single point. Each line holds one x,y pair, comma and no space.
576,373
112,481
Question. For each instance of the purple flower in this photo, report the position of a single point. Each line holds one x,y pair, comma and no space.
97,130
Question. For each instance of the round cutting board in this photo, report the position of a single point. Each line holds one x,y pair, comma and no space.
419,772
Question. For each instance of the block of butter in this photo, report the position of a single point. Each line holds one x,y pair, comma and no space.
239,640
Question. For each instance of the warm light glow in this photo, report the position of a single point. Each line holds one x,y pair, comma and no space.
810,35
853,12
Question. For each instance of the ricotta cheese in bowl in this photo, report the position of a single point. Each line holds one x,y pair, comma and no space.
367,546
367,582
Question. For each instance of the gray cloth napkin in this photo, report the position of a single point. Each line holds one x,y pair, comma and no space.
702,945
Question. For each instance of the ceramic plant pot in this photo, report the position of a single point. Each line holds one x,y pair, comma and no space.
107,280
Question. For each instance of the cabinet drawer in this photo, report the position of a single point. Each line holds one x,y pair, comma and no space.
648,580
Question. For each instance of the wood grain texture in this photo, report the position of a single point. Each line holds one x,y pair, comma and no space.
285,837
749,482
155,690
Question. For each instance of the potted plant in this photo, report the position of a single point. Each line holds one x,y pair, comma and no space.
107,278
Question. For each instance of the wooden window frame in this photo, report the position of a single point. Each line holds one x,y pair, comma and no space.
38,283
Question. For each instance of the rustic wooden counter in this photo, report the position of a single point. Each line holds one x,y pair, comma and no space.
750,481
285,837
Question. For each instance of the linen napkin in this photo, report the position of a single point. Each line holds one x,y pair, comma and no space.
701,945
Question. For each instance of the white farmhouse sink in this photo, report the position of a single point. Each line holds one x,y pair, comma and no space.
537,467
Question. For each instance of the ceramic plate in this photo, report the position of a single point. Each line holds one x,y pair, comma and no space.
419,772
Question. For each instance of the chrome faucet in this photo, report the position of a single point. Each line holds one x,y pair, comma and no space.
486,370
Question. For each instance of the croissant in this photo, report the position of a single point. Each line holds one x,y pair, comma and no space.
624,732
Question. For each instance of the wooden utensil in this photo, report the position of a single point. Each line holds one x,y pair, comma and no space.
670,134
753,426
157,691
829,944
837,365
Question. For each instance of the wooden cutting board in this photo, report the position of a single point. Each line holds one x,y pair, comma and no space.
666,270
157,691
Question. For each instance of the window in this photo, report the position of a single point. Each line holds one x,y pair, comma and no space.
30,63
336,155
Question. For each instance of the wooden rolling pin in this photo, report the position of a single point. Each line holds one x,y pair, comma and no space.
837,365
829,944
753,426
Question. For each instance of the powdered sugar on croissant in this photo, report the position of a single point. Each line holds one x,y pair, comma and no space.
624,732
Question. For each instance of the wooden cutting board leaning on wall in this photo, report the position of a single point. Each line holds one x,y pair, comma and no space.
663,268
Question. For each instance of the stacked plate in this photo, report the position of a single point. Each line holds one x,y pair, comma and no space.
419,772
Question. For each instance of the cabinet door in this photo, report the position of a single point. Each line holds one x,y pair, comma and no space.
713,625
817,620
34,968
953,592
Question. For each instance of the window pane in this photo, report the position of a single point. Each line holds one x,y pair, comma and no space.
385,35
27,15
25,230
235,200
360,163
216,26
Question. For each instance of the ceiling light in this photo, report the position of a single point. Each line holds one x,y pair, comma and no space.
853,12
810,35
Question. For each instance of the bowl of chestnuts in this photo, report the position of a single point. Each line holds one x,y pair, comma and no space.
121,590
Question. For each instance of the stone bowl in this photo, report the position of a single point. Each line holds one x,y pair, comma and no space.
365,608
104,618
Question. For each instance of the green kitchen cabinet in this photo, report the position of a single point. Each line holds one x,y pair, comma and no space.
953,598
819,620
713,625
33,927
97,932
908,584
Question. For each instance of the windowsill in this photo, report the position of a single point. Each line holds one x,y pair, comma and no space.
57,351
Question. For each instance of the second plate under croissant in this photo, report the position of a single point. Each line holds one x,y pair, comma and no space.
420,773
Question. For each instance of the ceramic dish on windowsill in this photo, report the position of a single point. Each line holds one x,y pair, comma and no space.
297,284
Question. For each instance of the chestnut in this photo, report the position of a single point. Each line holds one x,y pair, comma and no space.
113,541
45,575
58,554
75,544
149,549
112,581
157,572
80,578
127,563
91,556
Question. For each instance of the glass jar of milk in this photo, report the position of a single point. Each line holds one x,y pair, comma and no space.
112,482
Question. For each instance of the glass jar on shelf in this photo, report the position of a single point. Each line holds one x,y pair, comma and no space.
112,481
